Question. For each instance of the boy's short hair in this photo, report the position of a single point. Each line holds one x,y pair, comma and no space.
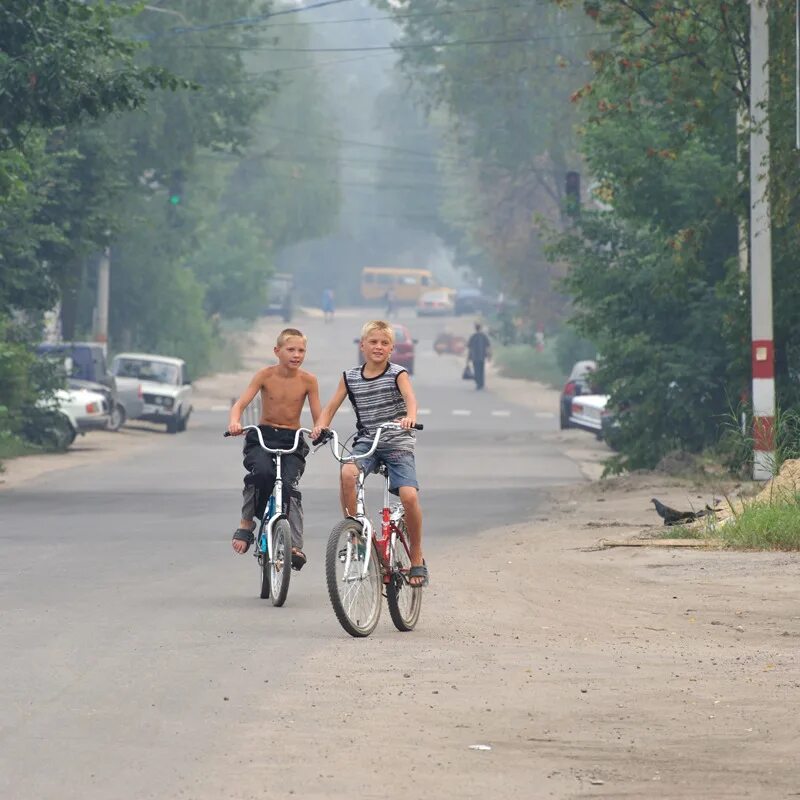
288,333
377,325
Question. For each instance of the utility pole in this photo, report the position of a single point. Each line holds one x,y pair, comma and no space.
763,350
103,284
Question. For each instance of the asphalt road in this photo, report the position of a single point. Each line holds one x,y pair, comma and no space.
126,619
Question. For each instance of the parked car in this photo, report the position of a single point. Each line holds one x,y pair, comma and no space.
471,301
86,366
588,411
166,388
404,348
578,383
82,409
279,296
436,303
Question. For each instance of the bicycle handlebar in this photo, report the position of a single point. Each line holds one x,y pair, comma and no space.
336,448
269,449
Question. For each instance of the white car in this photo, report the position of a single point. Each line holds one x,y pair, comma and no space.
83,410
166,388
436,303
587,411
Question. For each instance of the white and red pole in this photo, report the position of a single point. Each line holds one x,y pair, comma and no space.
763,349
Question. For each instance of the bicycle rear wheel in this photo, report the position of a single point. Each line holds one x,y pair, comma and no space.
404,601
280,569
355,596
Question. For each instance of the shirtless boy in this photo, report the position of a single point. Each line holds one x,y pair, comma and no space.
284,389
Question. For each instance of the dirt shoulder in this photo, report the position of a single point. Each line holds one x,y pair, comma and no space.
642,673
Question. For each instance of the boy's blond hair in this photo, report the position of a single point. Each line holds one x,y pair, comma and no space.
377,325
289,333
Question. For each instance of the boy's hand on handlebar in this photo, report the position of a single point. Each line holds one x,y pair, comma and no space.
407,422
320,435
235,429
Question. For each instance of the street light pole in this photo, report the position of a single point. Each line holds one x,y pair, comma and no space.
103,285
763,350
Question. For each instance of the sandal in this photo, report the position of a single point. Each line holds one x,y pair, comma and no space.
244,535
298,559
419,571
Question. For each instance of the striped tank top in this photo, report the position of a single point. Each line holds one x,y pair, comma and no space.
378,400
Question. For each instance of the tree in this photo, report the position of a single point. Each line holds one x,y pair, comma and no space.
655,279
503,76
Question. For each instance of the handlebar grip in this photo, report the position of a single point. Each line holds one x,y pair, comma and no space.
227,434
419,426
323,438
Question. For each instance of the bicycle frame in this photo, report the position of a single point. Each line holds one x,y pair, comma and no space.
390,514
273,512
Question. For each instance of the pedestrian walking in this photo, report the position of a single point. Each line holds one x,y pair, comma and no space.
391,302
327,305
479,351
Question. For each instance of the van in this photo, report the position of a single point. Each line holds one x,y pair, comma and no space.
407,284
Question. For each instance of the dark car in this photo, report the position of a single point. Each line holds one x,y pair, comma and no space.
580,382
471,301
279,296
404,348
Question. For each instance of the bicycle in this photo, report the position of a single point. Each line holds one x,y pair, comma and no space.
361,559
273,545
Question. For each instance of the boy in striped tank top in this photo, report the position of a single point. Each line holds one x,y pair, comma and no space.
380,392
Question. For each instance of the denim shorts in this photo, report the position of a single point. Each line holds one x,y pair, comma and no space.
399,464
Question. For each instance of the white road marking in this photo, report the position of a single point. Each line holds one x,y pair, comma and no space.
423,412
220,408
461,412
545,415
501,413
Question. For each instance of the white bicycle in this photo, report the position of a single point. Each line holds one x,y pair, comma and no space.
362,559
273,545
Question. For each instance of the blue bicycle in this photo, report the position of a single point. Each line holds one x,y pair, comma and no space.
273,545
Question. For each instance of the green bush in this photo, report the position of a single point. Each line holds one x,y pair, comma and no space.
571,347
525,361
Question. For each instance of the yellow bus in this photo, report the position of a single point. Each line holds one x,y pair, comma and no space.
407,284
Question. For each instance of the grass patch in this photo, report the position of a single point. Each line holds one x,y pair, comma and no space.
525,361
13,447
764,526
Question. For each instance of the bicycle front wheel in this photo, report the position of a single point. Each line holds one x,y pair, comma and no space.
262,552
355,595
404,601
280,569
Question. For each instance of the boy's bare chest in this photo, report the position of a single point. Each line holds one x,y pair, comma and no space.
283,391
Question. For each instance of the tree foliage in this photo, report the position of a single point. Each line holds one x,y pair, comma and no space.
503,76
656,279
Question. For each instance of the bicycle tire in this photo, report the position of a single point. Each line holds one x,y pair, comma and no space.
356,601
280,570
404,601
263,564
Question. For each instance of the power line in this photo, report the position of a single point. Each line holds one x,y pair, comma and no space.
412,15
396,47
231,23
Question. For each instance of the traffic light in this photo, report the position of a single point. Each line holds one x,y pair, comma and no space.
175,197
572,190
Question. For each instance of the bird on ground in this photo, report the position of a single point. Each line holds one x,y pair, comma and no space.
672,516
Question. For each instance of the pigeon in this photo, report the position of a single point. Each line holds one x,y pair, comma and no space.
673,517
